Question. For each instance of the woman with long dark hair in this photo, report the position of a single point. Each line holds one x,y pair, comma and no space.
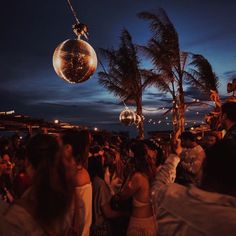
43,208
76,146
137,186
102,211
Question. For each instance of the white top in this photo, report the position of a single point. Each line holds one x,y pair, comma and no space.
83,209
190,211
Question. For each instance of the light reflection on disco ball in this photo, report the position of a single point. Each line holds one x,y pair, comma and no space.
137,119
74,60
127,117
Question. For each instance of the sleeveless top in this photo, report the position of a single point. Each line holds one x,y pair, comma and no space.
83,208
136,202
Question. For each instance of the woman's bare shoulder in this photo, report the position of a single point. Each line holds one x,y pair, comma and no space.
82,177
137,177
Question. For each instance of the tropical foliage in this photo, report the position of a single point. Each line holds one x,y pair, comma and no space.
175,67
172,69
124,77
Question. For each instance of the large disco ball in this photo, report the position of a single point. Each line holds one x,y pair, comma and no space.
127,117
74,60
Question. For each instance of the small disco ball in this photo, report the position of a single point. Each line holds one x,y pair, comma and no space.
74,60
127,117
137,119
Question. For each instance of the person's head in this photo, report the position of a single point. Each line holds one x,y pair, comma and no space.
211,139
6,157
187,139
154,151
228,115
115,140
109,157
16,141
76,144
96,150
9,165
20,159
219,173
95,167
50,185
5,167
99,139
141,159
4,144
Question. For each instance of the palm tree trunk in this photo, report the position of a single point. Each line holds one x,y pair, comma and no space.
175,118
214,96
139,111
181,108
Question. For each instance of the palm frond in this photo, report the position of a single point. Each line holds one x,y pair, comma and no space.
203,74
123,77
163,48
191,77
163,85
149,78
112,86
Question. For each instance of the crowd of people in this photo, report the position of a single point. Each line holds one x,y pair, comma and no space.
83,183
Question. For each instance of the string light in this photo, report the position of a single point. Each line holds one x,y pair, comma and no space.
192,123
176,105
56,121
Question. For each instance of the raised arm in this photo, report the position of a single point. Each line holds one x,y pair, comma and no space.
165,176
167,173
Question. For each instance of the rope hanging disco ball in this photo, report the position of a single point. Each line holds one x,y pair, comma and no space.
74,60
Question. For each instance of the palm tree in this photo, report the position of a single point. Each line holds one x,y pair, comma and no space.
203,77
169,62
175,67
124,77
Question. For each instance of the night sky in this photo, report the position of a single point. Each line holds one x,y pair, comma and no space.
31,30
